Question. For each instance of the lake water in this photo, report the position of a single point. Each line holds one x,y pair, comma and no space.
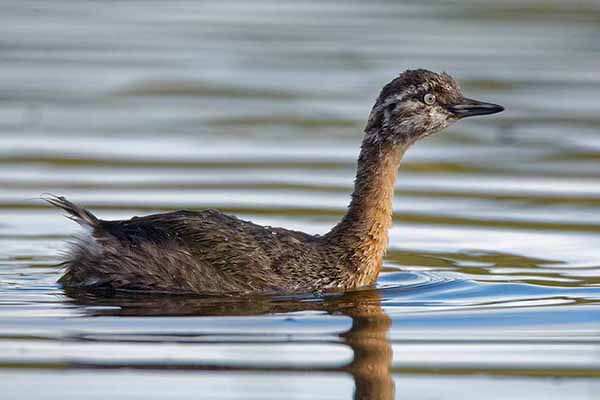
491,286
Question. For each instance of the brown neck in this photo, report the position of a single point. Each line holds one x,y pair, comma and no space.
363,232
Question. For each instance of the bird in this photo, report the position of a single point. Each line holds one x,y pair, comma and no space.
210,253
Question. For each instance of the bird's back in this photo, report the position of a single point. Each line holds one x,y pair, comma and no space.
199,252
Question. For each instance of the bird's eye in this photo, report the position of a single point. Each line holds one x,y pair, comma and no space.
429,99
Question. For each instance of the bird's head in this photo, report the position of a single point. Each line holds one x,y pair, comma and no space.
419,103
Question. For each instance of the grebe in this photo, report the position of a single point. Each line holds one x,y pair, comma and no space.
208,252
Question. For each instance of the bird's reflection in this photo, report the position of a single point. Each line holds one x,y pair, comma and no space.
367,336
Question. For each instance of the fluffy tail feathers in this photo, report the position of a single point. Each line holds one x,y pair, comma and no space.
76,213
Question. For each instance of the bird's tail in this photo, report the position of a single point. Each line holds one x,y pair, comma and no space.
76,213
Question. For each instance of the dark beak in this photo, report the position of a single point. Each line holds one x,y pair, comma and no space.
469,108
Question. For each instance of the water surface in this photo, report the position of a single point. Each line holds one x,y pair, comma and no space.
492,280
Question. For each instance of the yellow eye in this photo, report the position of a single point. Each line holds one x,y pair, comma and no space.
429,99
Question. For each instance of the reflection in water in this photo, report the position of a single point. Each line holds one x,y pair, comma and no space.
372,351
367,336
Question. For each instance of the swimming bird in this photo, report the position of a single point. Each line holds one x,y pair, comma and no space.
207,252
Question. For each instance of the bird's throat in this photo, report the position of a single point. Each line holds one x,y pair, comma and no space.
363,232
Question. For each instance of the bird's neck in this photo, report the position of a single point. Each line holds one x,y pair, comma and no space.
363,232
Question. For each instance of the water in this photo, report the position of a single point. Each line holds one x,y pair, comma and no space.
492,279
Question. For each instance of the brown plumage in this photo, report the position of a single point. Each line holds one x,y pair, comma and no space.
209,252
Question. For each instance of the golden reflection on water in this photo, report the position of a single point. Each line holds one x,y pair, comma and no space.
367,336
372,351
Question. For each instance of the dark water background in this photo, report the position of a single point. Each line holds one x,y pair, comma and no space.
492,280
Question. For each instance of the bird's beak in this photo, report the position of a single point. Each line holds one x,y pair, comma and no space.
469,108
